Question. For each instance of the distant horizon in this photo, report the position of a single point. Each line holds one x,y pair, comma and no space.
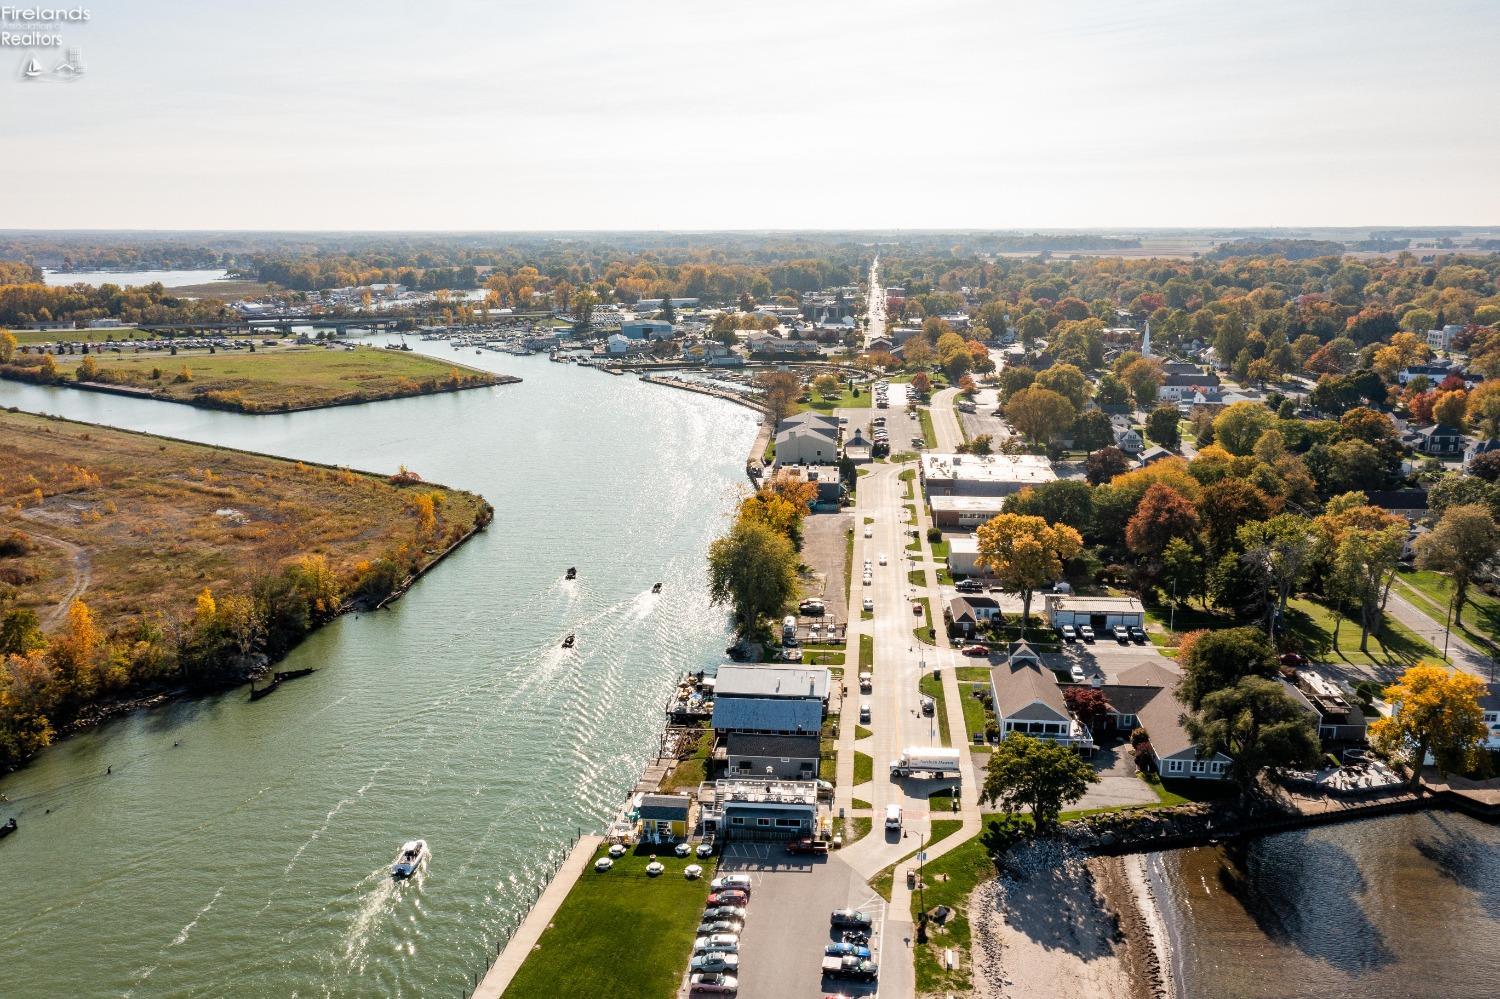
1467,227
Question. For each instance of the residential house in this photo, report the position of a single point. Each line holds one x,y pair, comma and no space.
767,715
830,485
1144,697
1434,373
661,818
1490,704
1408,503
1129,440
1028,701
1152,455
879,344
1175,386
1477,448
966,613
782,757
807,439
1337,717
1440,441
772,680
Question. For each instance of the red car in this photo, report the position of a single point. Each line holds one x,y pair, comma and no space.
1293,659
727,898
976,650
807,846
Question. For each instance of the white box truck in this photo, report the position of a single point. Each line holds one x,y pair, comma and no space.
893,816
933,760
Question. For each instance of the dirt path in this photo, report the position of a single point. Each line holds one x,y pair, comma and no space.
83,576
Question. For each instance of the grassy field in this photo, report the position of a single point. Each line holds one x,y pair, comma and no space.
620,933
845,400
924,633
929,433
974,718
692,771
76,336
136,524
866,653
864,768
1394,647
281,379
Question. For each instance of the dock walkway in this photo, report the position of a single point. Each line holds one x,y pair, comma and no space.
521,942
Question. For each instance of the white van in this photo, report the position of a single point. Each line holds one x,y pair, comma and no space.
893,816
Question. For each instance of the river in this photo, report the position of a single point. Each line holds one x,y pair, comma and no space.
1407,905
133,279
242,849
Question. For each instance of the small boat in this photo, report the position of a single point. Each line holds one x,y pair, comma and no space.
409,858
8,828
572,573
656,588
568,642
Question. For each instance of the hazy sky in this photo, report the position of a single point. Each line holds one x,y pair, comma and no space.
322,114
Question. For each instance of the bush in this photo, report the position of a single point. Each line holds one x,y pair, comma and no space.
14,545
1138,737
934,535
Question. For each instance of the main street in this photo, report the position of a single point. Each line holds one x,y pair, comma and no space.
875,307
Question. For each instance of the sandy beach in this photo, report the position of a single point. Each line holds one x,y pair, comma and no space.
1061,925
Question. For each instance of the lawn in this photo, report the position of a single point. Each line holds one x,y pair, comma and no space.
950,880
823,655
974,716
844,400
924,634
940,550
693,771
26,337
866,653
972,674
156,520
933,688
864,768
907,474
1313,624
280,379
941,830
828,765
583,951
1480,621
929,434
860,732
917,577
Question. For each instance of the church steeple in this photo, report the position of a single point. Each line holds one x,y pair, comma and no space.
1146,340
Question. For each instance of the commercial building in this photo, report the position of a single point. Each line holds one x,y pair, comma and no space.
647,329
964,512
983,475
743,809
1099,613
766,680
963,555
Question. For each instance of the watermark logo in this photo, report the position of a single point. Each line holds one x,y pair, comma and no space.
35,68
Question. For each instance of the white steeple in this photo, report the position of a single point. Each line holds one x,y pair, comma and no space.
1146,340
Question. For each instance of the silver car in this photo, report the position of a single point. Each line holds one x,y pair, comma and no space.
717,943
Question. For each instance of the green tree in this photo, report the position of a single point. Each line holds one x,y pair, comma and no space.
1219,659
1240,426
1067,381
1363,566
1162,427
827,386
20,632
1062,501
1037,775
1257,724
753,570
1280,549
1092,430
1462,542
1039,413
1181,570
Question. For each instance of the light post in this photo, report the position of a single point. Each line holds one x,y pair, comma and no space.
1447,624
1172,624
921,873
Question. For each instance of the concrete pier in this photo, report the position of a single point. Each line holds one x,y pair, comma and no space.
521,942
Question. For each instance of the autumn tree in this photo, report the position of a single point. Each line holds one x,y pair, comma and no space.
1039,413
827,385
1434,711
779,392
1143,377
8,344
752,570
1362,545
1239,426
1024,552
1451,408
1104,464
1089,705
921,383
1464,540
1225,506
1067,381
1038,775
1163,514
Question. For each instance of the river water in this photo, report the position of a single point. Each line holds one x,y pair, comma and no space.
1407,905
243,849
132,279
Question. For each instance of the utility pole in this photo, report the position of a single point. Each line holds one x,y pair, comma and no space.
922,872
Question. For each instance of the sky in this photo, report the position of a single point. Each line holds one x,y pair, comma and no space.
813,114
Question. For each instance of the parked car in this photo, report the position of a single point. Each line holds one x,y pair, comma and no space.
969,586
1295,660
1138,635
866,683
792,654
847,950
1069,633
929,706
718,943
882,558
812,608
977,649
715,982
726,912
916,608
850,917
869,605
708,929
1077,673
731,882
1086,633
714,962
1121,633
727,898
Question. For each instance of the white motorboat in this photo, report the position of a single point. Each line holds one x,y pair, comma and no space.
410,857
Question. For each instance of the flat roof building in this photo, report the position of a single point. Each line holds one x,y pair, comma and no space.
951,512
983,475
737,680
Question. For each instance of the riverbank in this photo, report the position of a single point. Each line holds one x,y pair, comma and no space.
271,380
151,563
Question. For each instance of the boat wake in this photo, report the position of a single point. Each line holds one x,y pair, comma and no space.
182,934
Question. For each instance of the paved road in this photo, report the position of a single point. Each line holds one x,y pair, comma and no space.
1461,652
875,308
945,420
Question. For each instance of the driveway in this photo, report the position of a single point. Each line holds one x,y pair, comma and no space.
1118,784
786,929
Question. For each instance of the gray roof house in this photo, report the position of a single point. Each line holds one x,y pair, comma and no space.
1143,697
737,680
767,715
1028,701
783,757
807,439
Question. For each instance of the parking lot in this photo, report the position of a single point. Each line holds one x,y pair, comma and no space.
787,927
823,539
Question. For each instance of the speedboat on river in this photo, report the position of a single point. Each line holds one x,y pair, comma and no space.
411,856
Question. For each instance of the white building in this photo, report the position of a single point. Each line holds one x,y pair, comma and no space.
983,475
1099,613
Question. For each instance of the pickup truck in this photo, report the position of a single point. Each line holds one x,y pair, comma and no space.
807,846
852,968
